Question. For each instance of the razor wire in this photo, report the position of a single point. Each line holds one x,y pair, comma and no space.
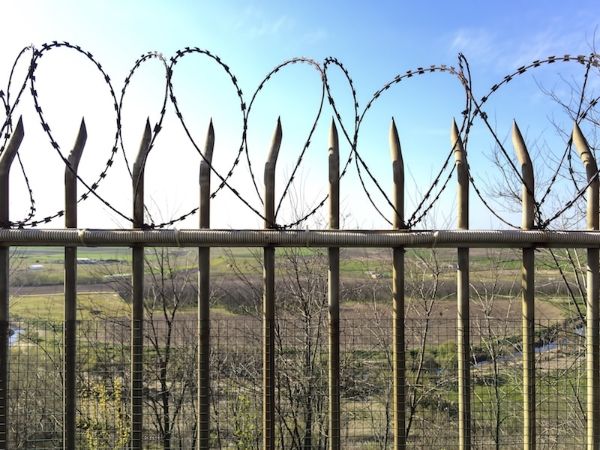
472,113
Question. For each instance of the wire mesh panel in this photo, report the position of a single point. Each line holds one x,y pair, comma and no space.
170,391
35,389
560,385
496,382
236,364
103,368
170,382
170,360
433,383
366,381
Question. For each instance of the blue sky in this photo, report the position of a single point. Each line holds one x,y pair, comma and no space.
374,40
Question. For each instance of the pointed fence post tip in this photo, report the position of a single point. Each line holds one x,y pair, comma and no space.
333,136
144,147
10,151
397,176
19,131
276,143
82,126
395,148
581,145
454,131
520,147
457,144
82,130
210,143
334,162
77,150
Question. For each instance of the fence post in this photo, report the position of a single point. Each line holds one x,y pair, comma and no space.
333,294
6,160
527,289
137,319
204,298
398,344
70,282
592,337
462,295
269,298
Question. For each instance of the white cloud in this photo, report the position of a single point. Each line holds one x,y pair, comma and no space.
474,43
487,47
264,27
254,23
315,36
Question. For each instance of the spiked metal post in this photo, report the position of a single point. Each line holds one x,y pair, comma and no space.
6,160
204,298
269,299
398,340
70,282
137,319
462,295
527,289
333,294
592,336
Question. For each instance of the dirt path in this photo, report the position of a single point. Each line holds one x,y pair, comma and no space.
57,289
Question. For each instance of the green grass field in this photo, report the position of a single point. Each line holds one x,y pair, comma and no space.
51,306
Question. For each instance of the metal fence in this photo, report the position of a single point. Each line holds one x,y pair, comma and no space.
103,375
367,387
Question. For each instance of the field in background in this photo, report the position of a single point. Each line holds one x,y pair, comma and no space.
36,311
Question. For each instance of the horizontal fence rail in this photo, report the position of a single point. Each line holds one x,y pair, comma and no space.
141,351
304,238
